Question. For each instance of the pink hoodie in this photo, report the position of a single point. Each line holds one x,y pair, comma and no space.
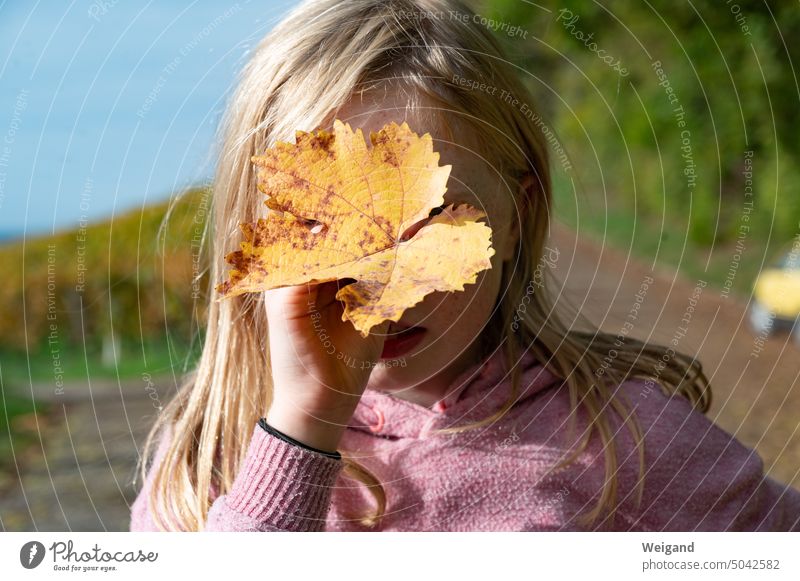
698,477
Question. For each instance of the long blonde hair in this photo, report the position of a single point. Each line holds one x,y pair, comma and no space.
309,65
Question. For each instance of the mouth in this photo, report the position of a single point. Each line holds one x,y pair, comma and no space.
401,338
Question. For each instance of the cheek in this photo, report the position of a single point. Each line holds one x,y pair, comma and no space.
466,312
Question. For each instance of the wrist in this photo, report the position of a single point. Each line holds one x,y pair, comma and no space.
321,433
262,422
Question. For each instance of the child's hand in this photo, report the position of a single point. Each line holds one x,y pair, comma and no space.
320,364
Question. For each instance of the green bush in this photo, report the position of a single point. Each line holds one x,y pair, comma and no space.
680,162
130,281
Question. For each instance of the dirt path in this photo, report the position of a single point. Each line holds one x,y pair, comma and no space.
81,479
756,392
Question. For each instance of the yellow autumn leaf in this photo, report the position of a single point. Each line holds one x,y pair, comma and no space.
339,209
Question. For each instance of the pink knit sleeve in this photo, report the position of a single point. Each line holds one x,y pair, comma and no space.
701,478
280,487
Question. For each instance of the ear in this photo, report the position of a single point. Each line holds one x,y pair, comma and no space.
527,186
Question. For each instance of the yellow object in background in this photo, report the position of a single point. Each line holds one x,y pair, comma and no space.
778,291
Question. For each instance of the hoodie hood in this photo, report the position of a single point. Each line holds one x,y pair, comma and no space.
478,392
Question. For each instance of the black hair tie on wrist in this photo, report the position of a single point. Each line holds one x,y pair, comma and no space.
278,434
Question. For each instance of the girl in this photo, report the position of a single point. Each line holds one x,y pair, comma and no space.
491,414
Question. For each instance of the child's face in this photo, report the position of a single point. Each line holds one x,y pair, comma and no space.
452,321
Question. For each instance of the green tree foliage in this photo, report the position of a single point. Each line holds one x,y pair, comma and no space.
702,83
135,278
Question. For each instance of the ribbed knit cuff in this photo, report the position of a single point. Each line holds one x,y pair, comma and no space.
284,485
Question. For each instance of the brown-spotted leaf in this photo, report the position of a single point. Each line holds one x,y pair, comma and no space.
338,209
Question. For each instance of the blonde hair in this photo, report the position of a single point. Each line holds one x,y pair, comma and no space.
309,65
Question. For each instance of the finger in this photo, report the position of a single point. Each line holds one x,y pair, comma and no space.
291,300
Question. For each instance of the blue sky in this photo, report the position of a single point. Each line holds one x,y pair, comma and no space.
108,105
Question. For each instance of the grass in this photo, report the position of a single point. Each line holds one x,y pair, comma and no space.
18,410
666,243
14,406
17,431
158,357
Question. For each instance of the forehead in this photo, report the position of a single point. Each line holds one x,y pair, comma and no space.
473,178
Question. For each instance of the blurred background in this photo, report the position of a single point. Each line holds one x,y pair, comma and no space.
673,134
